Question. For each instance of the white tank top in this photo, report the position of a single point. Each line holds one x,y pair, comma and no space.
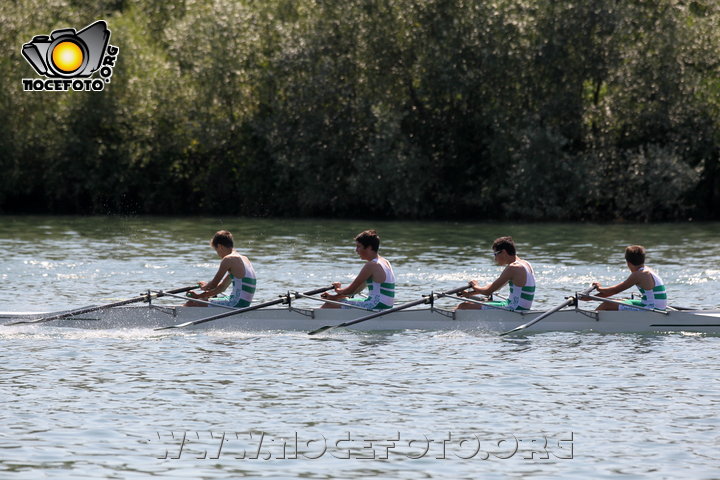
383,293
244,288
657,297
521,298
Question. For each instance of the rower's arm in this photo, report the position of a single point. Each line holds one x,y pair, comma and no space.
220,288
615,289
499,282
358,284
221,280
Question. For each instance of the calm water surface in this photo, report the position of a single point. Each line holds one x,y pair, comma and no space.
403,405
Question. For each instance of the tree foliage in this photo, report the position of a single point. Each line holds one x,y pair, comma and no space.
502,109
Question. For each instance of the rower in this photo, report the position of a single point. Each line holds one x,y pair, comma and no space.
648,282
234,268
518,274
377,274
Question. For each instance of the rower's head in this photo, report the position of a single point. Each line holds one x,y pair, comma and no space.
635,255
503,250
369,238
367,243
222,242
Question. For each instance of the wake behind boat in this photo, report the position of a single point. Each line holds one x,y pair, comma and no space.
434,319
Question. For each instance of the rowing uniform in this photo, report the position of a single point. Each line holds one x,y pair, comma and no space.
655,298
520,298
381,296
242,291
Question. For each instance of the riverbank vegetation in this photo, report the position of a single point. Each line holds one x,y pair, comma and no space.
498,109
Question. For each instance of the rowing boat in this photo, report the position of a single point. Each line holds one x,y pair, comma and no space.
291,318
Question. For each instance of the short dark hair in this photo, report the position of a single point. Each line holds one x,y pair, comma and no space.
369,238
504,243
635,254
222,237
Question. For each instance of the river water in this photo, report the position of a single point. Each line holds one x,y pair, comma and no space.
400,405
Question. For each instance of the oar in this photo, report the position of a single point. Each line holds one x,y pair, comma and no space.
620,302
568,301
282,299
332,302
385,312
204,302
81,311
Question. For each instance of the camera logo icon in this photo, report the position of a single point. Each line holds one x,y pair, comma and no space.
67,54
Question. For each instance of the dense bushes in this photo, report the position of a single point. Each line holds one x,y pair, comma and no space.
504,109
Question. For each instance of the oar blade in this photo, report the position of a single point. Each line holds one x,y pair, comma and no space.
516,329
322,329
19,322
536,319
179,325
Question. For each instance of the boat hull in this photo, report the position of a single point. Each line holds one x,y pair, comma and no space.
130,317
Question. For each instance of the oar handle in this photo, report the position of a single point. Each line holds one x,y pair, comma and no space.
587,290
456,290
178,290
168,293
318,290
